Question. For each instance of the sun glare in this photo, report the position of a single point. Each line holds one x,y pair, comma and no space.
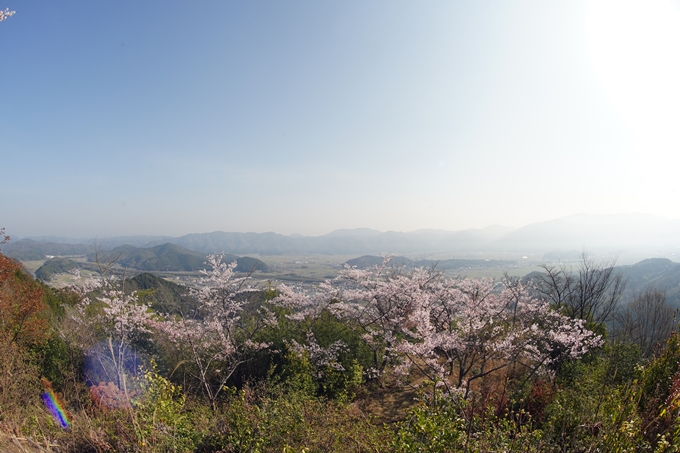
635,49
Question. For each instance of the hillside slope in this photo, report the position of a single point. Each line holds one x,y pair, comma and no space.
170,258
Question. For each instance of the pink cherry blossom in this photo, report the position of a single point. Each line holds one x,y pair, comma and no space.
6,13
454,331
217,339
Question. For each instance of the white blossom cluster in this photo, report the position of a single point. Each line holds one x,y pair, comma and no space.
6,13
452,330
319,357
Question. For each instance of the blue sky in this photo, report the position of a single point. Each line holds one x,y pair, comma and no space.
168,117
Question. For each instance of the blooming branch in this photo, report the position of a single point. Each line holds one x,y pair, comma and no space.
6,14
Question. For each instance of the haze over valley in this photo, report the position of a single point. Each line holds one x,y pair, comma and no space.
644,247
627,237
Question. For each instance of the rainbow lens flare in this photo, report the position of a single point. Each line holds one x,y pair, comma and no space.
55,409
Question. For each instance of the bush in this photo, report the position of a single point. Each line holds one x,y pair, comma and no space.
161,416
595,407
445,429
658,385
275,419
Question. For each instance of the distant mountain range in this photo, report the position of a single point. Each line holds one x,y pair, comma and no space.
626,235
344,242
601,233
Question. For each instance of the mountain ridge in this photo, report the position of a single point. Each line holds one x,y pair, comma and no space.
622,234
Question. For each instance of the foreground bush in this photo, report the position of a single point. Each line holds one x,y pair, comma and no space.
276,420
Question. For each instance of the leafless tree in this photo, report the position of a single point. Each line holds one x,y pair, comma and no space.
590,292
646,321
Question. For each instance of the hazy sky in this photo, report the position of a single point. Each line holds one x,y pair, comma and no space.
168,117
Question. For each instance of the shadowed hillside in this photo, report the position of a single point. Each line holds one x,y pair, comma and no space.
162,295
654,273
170,257
54,266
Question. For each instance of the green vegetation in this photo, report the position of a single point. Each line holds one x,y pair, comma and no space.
287,398
161,295
54,266
168,257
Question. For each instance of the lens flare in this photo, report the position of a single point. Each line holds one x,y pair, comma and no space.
54,406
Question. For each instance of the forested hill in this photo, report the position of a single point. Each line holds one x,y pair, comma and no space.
170,257
163,296
166,257
54,266
654,273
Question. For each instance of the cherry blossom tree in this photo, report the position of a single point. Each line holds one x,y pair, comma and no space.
378,304
454,331
473,328
320,358
216,340
119,317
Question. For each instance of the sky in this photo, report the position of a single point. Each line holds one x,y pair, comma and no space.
176,117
